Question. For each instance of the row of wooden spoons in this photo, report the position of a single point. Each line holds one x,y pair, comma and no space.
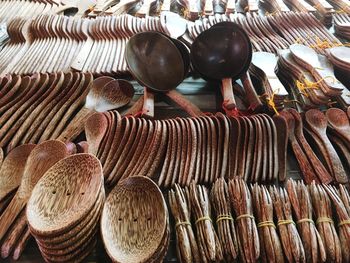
135,222
55,106
235,221
39,107
184,149
64,208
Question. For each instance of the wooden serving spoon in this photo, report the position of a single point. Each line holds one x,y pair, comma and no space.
113,95
41,158
95,129
318,167
12,169
304,164
339,121
317,122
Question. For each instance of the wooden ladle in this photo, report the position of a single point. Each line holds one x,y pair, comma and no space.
339,121
157,64
224,60
12,169
317,122
104,95
41,158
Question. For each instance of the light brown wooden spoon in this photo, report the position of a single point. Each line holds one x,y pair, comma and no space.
113,95
12,169
42,157
95,129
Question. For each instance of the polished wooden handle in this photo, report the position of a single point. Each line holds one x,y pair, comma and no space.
148,104
251,95
227,94
185,104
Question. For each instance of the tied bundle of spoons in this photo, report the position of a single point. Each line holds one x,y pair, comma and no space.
208,242
187,248
325,224
248,239
292,245
343,213
302,207
224,221
271,248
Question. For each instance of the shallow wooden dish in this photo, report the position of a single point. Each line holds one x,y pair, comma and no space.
72,185
133,231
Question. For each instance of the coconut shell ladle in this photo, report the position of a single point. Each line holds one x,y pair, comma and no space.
41,158
224,52
157,64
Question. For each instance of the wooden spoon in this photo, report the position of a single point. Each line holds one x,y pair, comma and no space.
78,187
318,124
1,156
39,161
95,129
12,169
339,121
113,95
134,235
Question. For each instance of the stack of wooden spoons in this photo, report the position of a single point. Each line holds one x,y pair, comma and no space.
64,209
24,9
135,222
25,165
324,11
342,25
300,5
45,104
106,42
263,68
300,83
184,149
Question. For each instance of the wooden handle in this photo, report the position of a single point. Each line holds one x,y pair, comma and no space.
227,94
136,108
148,104
303,162
251,95
80,60
21,245
76,126
338,169
185,104
282,139
208,8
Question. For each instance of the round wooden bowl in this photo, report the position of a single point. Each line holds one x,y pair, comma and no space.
64,195
134,220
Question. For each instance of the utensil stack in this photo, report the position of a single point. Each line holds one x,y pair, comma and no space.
342,25
64,209
275,6
300,5
184,149
324,10
139,234
263,68
42,102
24,9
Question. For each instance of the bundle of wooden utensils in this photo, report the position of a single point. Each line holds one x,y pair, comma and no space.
184,149
134,230
235,221
20,171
